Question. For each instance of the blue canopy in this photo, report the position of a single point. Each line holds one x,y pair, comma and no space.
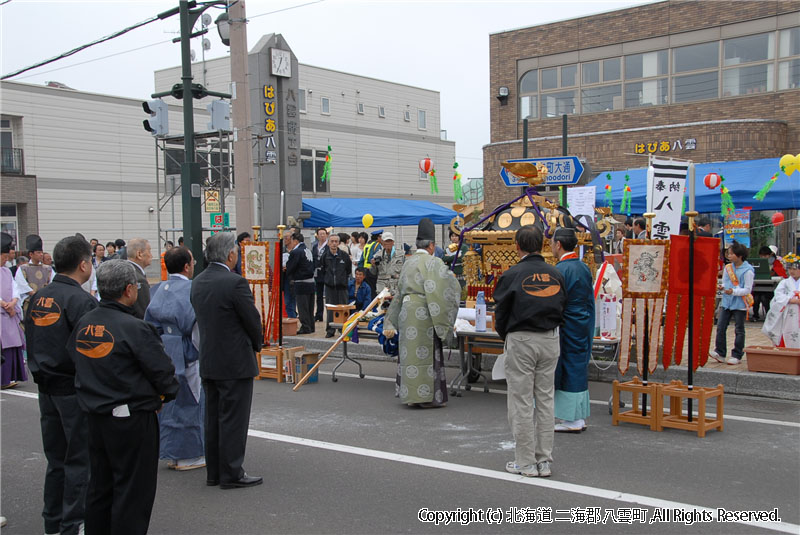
742,178
346,212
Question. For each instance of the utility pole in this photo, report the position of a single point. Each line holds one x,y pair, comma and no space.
240,115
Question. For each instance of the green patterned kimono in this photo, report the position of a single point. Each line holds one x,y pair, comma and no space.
423,312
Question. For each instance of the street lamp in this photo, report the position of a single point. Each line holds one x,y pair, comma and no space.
224,28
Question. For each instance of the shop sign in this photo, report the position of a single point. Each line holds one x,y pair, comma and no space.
652,147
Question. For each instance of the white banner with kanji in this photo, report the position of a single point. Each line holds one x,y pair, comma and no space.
666,182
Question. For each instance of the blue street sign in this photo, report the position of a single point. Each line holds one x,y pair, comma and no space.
562,171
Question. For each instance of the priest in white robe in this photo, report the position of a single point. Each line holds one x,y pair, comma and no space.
782,324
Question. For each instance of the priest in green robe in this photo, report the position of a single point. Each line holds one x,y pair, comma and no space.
423,312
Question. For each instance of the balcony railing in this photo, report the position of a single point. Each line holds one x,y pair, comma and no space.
12,162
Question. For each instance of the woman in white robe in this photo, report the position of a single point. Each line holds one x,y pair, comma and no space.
782,324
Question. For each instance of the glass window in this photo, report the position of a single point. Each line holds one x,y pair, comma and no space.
646,93
527,107
326,105
381,111
407,116
695,57
569,75
646,64
695,87
789,42
529,82
422,175
422,121
319,168
603,98
301,100
751,48
590,72
6,140
360,108
611,69
557,104
789,74
747,80
5,123
307,174
549,78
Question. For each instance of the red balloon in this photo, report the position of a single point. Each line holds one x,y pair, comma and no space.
425,165
712,180
777,218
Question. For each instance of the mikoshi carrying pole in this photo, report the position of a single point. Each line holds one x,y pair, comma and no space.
346,330
280,282
646,344
691,214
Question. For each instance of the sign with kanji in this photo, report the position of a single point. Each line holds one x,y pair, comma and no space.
666,180
561,171
651,147
212,201
220,221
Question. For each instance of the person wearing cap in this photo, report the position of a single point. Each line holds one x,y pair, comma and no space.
387,263
529,309
12,338
575,336
782,324
34,275
53,314
370,250
423,312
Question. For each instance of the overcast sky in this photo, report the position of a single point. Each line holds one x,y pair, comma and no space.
443,46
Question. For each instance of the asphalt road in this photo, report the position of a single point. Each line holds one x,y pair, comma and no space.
346,457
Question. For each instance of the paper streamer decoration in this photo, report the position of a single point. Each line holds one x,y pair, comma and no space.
788,164
726,207
625,205
434,185
326,170
609,199
457,193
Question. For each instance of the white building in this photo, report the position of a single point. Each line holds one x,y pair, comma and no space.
86,164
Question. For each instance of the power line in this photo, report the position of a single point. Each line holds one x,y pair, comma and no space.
4,3
74,51
83,47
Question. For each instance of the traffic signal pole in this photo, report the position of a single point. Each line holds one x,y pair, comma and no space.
190,170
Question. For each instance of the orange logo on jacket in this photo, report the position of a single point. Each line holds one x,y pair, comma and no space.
94,341
541,285
45,312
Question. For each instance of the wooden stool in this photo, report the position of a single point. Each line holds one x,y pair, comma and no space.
675,418
340,312
634,416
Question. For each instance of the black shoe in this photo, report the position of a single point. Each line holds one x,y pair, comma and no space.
212,482
330,335
305,331
246,481
318,318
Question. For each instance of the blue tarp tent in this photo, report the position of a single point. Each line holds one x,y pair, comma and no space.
743,179
344,212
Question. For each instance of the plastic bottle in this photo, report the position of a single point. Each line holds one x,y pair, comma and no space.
480,313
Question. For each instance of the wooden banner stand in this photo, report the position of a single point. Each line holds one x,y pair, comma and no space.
675,418
636,387
280,356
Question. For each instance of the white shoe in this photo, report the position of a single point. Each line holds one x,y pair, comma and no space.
528,470
575,426
714,355
191,464
544,469
733,360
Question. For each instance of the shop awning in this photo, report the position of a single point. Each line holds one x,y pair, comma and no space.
347,212
742,178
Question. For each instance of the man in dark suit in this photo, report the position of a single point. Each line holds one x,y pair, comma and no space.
140,255
230,334
316,251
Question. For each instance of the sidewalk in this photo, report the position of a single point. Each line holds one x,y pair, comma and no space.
735,378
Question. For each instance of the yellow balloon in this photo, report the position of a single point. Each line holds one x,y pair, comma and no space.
367,220
788,163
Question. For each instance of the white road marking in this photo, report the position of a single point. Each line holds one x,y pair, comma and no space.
593,402
606,494
596,492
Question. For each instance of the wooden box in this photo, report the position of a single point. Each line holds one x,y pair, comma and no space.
773,359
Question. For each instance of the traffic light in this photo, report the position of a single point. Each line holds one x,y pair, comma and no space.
220,115
158,123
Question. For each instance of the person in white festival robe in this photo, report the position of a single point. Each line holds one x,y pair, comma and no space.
782,324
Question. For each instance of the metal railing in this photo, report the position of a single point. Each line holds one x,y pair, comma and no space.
12,162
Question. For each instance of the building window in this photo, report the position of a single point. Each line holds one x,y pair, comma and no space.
381,111
748,49
9,223
789,42
602,98
695,87
422,121
549,78
528,107
646,65
789,74
528,101
695,57
312,165
646,93
360,108
590,72
423,176
407,116
301,100
748,80
557,104
326,106
611,70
